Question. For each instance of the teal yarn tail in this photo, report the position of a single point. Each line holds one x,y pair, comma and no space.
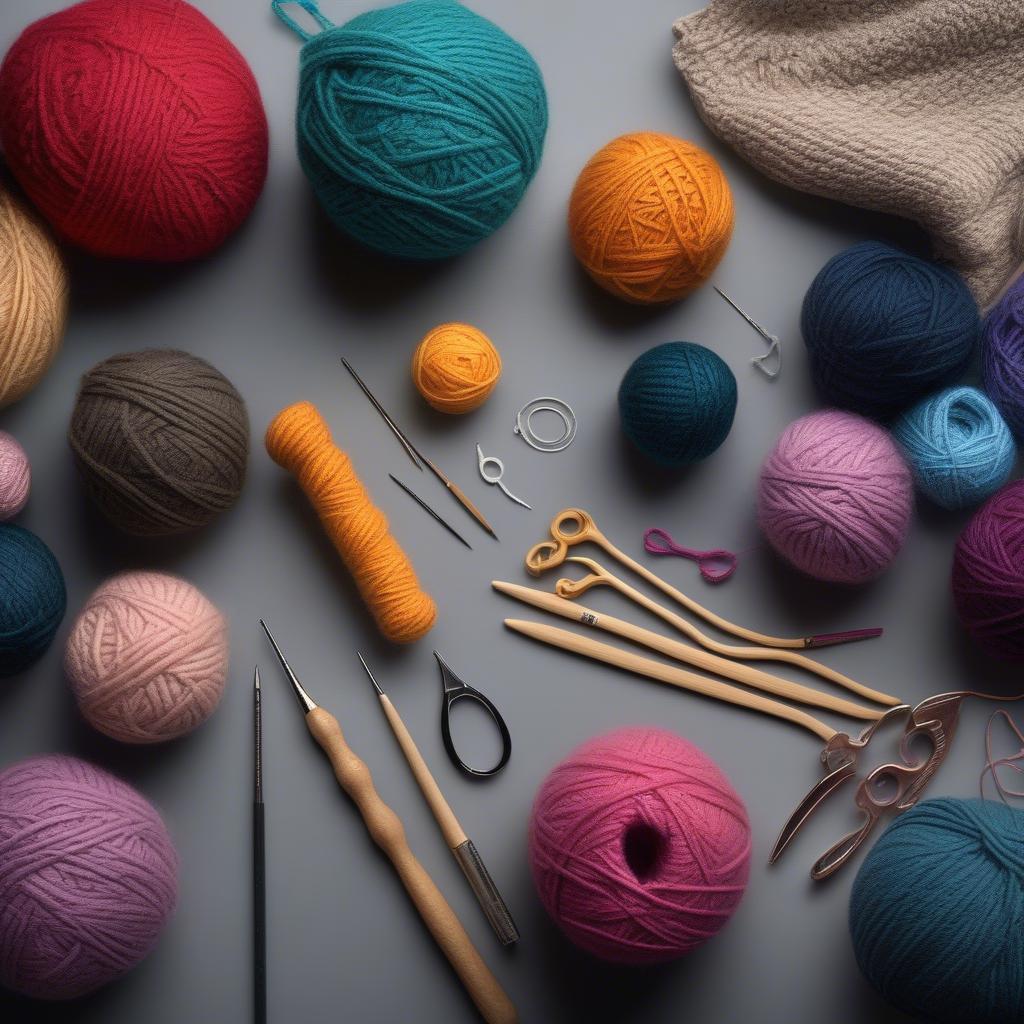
419,126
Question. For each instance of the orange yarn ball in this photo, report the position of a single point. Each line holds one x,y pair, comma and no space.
650,217
455,368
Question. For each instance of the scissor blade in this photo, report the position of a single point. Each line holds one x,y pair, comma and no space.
816,796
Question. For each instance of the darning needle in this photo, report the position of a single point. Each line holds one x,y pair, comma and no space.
423,505
409,450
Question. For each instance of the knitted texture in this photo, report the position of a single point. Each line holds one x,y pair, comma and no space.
1003,357
988,575
147,658
639,846
15,476
161,439
911,107
835,497
33,300
884,328
419,126
32,599
88,877
650,217
299,441
135,127
677,402
959,448
936,911
455,368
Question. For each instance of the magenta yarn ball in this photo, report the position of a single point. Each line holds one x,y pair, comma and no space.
147,658
639,846
836,497
15,477
88,877
988,575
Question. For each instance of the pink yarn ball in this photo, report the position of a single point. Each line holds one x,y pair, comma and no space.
147,658
639,846
88,877
15,477
836,497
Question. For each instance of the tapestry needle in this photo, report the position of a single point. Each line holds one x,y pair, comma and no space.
774,345
426,508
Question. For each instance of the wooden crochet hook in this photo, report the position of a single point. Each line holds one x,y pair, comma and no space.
574,526
387,832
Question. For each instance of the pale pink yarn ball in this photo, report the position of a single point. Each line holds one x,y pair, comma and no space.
147,658
15,477
836,497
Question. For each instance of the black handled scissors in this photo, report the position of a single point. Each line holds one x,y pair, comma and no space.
455,690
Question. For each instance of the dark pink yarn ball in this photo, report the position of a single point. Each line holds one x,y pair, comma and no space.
88,877
988,575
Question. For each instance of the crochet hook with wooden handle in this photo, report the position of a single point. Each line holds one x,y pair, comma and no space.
387,832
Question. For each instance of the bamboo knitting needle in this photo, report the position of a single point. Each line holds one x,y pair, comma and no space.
387,832
259,863
462,847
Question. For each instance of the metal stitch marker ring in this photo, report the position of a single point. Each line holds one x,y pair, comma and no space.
561,409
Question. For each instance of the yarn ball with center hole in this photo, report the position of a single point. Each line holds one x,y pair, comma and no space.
161,439
677,402
836,497
1002,363
32,598
88,877
959,448
147,658
988,575
884,328
420,126
135,127
650,217
33,299
639,846
15,476
455,368
936,910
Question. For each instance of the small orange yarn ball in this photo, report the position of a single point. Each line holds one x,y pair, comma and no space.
650,217
455,368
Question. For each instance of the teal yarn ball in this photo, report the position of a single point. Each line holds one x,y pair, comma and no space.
419,126
677,403
937,909
884,328
959,448
32,598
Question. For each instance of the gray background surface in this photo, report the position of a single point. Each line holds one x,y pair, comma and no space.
274,310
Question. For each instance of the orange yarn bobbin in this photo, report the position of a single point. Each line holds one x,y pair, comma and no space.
299,440
650,217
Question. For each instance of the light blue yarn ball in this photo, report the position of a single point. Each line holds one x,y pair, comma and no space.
959,448
937,911
419,126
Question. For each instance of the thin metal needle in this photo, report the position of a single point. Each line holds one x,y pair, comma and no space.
305,701
376,685
419,501
409,450
750,320
774,345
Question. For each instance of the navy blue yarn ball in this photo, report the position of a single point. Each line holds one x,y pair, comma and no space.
677,403
884,328
32,598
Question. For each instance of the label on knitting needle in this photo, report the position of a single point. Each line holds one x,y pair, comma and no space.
588,619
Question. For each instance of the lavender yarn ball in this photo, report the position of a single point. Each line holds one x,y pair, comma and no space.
15,477
88,877
1002,357
835,497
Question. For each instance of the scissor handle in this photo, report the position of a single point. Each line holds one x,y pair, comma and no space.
835,857
571,589
574,526
467,692
548,554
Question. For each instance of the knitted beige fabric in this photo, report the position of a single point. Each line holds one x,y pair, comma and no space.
912,107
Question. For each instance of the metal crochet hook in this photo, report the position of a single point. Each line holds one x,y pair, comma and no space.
492,478
774,345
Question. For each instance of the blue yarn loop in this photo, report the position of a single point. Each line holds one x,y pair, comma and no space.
310,7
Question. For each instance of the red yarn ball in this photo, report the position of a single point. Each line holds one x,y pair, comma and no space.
135,127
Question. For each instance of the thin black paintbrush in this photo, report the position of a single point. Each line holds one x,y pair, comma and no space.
259,864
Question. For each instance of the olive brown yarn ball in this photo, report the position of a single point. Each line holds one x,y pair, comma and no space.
147,658
455,368
33,299
161,439
650,217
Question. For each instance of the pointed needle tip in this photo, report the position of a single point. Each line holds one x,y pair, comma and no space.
376,685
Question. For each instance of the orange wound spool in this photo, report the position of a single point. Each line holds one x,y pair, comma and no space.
300,441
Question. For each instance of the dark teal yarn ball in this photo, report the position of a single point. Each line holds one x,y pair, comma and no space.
677,403
32,598
884,328
937,912
419,126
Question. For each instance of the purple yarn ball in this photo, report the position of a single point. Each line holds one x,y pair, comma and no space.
988,575
1002,361
88,877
